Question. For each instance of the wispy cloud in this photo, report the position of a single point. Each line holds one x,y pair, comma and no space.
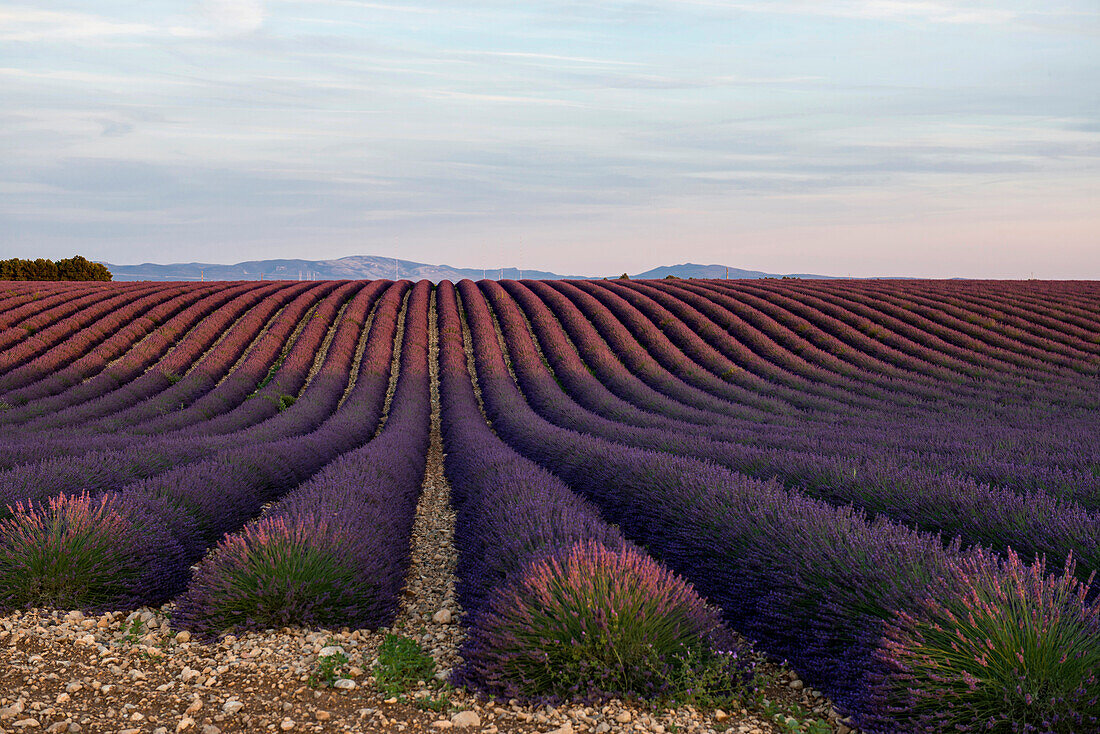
30,25
226,18
207,19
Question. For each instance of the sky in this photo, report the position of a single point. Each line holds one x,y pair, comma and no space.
925,138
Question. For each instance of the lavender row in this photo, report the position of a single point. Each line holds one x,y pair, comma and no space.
266,414
691,368
56,303
256,339
812,583
1033,524
193,355
1017,317
638,361
559,603
1074,473
103,470
334,551
255,390
839,349
1028,350
750,349
90,329
127,328
130,366
786,345
965,339
868,451
134,546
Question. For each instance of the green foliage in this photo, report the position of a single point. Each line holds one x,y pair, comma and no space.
793,719
270,374
705,679
1020,652
328,668
401,665
74,268
134,632
439,704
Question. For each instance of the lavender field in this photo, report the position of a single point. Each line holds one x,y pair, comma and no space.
893,485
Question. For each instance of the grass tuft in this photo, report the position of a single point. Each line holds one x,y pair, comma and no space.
401,665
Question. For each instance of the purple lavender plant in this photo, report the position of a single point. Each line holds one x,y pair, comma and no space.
594,622
1019,653
83,552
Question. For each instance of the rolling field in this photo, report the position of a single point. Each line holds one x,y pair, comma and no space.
892,485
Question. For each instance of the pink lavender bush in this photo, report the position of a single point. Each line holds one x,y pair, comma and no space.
597,622
1020,652
83,552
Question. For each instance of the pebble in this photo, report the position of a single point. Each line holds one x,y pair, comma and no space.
286,724
466,719
443,616
232,706
344,684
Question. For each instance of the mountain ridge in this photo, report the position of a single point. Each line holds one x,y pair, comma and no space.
370,267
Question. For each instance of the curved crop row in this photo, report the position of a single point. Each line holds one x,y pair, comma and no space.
814,584
130,366
203,343
334,551
82,364
1032,524
107,469
155,528
89,330
41,312
560,604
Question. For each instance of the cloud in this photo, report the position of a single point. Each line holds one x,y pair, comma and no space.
30,25
231,17
209,19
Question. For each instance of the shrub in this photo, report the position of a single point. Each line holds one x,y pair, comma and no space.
83,552
596,622
1019,653
401,665
277,571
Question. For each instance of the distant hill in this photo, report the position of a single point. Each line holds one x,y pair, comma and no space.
692,270
354,267
370,267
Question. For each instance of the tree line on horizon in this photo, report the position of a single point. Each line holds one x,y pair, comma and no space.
73,268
